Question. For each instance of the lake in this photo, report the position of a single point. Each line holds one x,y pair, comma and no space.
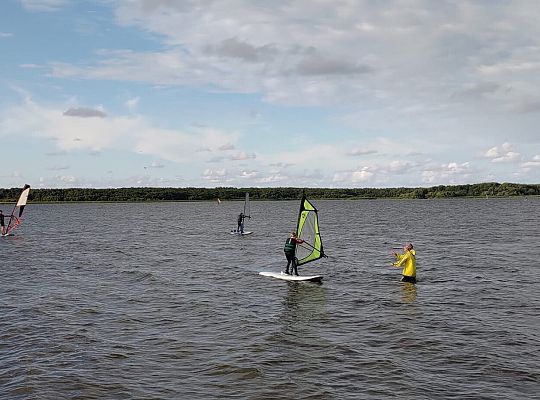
159,301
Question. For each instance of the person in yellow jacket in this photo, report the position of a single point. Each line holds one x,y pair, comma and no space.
407,260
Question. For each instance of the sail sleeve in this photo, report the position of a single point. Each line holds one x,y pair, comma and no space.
308,230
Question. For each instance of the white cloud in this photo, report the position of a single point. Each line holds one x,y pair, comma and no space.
226,146
217,177
503,154
533,163
132,103
43,5
307,52
361,152
128,133
243,156
451,173
4,35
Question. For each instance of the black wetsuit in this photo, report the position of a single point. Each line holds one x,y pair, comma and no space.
240,228
290,254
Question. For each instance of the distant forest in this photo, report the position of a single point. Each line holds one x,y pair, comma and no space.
279,193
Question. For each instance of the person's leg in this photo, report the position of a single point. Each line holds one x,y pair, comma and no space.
294,266
289,259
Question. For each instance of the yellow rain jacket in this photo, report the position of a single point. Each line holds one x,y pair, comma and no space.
408,262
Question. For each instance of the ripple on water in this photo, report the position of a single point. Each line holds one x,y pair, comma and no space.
178,310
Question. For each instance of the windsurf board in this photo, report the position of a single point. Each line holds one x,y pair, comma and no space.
285,277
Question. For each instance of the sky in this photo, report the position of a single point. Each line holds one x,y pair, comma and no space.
256,93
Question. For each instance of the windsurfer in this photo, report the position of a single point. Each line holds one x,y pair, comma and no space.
2,222
240,228
290,253
407,261
241,218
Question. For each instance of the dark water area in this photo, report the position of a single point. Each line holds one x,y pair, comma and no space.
159,301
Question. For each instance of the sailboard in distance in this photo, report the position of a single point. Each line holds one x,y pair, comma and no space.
15,218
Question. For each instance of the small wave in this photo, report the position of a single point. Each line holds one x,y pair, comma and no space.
237,372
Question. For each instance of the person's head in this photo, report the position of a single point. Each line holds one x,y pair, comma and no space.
293,234
408,247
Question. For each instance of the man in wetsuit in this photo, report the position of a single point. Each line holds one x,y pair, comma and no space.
407,261
290,253
240,228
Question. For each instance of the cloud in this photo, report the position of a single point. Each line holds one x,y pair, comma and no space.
243,156
477,90
132,103
361,152
317,65
452,173
58,167
227,146
234,48
4,35
376,173
84,112
154,165
503,154
316,53
215,176
533,163
216,159
43,5
281,165
127,133
248,174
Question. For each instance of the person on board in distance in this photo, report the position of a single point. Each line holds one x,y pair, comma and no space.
240,227
407,261
290,253
2,222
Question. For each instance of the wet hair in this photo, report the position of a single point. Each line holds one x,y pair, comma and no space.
409,246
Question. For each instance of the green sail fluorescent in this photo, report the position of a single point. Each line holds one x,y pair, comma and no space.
307,229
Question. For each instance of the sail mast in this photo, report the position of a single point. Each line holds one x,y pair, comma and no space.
247,208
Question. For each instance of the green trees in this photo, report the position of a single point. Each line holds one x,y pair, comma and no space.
490,189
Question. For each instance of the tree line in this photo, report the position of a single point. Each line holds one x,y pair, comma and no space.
140,194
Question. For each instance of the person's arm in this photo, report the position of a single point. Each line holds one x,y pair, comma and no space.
299,241
401,259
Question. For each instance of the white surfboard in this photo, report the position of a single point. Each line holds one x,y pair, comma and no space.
241,233
285,277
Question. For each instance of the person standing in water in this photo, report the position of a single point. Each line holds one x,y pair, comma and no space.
290,253
407,261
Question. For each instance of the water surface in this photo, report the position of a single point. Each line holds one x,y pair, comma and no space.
158,301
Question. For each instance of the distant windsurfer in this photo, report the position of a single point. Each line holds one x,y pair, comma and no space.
241,218
290,253
2,222
407,261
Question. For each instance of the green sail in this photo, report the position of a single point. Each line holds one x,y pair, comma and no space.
307,229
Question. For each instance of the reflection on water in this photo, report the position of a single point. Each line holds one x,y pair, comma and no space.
304,302
408,292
